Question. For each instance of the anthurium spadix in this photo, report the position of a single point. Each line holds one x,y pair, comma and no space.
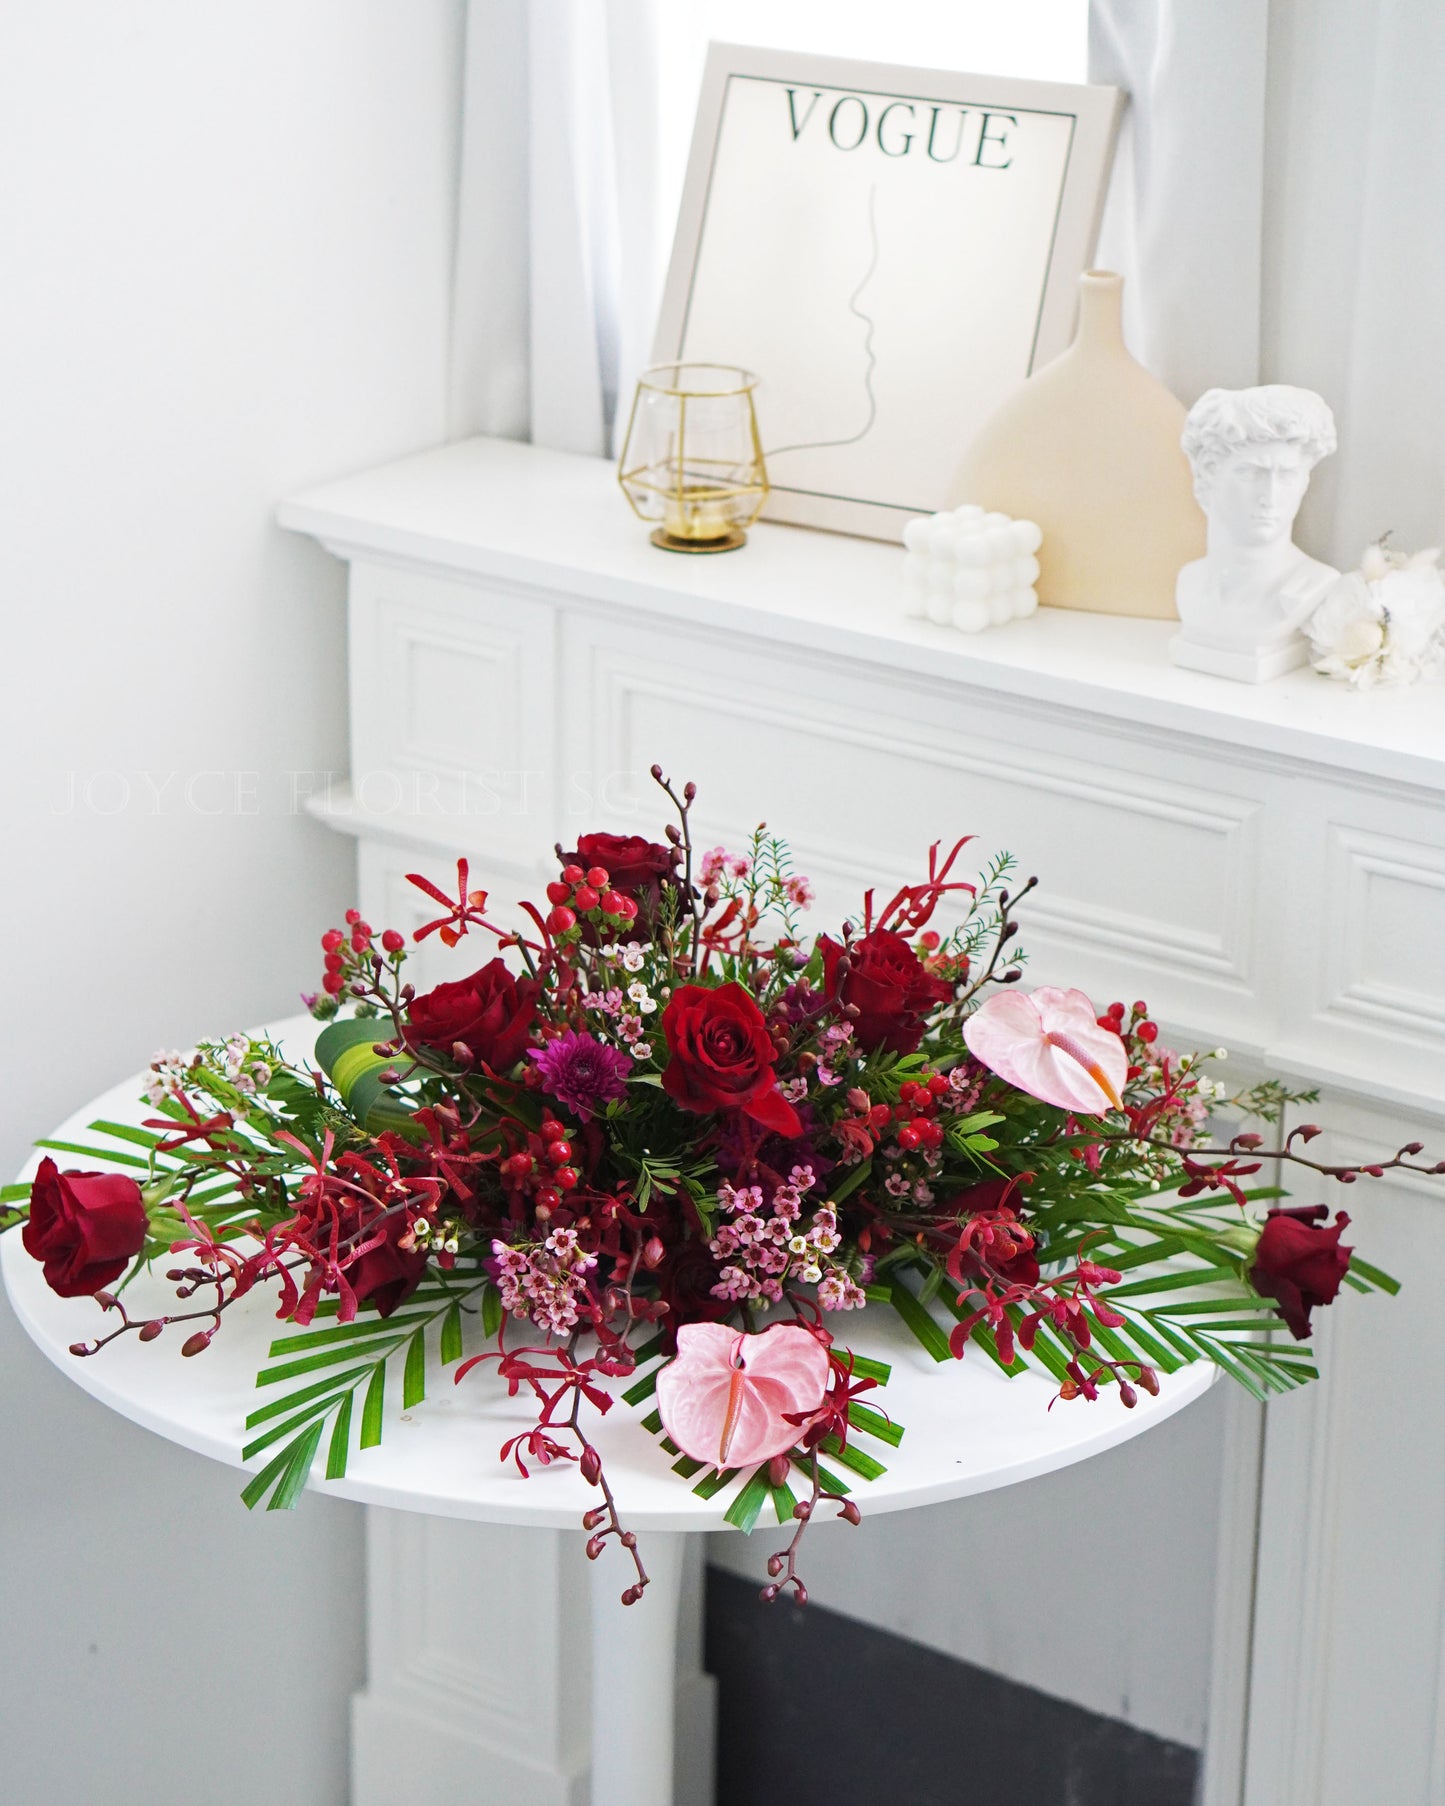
1049,1044
733,1400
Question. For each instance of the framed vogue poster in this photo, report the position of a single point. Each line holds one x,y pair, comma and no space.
890,251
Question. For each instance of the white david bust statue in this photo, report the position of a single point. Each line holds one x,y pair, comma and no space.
1243,603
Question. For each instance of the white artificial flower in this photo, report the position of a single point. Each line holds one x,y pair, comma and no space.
1382,624
633,958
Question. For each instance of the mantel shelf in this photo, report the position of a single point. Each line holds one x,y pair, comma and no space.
557,523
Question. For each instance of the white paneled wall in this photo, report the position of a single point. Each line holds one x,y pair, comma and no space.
227,235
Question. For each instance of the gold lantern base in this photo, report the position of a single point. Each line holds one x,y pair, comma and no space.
671,542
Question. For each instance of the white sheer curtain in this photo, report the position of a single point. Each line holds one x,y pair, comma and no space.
1182,222
1278,207
558,247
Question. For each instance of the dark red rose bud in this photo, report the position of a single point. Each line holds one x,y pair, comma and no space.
590,1466
198,1343
1299,1262
149,1331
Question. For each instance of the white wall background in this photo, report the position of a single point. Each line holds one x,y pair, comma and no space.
228,239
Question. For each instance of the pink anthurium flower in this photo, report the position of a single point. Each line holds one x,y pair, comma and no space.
728,1397
1050,1045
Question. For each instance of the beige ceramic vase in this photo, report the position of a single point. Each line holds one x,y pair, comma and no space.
1089,448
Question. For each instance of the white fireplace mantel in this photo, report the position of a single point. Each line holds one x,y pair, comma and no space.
1265,865
520,654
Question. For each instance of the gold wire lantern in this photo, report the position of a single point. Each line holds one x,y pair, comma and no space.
692,460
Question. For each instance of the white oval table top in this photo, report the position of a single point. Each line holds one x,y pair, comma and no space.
967,1428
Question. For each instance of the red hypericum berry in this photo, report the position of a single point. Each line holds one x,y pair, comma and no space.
907,1091
332,939
333,962
573,874
929,939
598,876
908,1137
558,892
932,1134
1116,1010
361,939
558,1152
519,1165
353,915
937,1083
548,1198
1141,1008
561,919
1147,1031
552,1130
392,941
612,902
878,1116
333,982
585,897
567,1177
628,908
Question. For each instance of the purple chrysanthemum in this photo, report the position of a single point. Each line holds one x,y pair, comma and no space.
582,1072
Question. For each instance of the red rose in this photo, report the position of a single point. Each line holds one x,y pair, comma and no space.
888,985
386,1275
86,1227
721,1056
1299,1262
490,1014
638,868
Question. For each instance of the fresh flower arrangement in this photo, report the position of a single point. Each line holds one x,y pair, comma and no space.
663,1137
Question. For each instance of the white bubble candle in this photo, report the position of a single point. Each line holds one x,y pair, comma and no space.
970,569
